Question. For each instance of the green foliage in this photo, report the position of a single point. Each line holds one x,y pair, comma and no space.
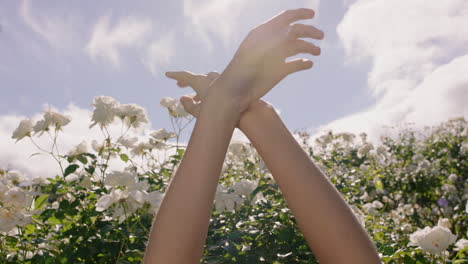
408,174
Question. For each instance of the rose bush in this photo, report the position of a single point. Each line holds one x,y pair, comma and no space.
409,191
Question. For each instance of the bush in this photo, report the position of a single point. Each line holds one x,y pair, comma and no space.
90,214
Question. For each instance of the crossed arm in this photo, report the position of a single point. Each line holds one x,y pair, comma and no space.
180,228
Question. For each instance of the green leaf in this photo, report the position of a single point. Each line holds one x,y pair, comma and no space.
40,201
70,169
82,159
124,157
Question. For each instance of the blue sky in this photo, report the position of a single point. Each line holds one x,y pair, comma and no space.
383,62
42,66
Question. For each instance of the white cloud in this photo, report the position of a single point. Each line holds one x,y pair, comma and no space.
18,155
159,52
107,41
59,31
228,20
419,56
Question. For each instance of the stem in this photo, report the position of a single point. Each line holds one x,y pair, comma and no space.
22,244
50,153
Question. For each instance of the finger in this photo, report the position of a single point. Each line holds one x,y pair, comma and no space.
197,98
292,15
189,105
297,65
212,75
182,84
179,75
302,46
184,78
305,31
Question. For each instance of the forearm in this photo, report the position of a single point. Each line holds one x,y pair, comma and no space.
179,230
325,219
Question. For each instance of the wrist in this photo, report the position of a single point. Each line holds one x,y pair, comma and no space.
257,111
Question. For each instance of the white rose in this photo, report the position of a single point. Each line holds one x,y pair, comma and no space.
104,110
244,187
444,222
24,130
128,142
434,240
453,177
17,197
117,178
56,119
168,102
11,218
71,178
179,110
15,177
162,134
364,149
132,114
461,244
377,205
227,201
79,149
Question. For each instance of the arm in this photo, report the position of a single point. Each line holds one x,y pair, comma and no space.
328,224
180,228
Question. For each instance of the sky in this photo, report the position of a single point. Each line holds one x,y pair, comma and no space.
383,62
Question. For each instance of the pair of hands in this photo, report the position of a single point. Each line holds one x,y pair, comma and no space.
259,63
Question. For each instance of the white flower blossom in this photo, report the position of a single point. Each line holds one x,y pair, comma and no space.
15,177
179,110
117,178
244,187
227,201
128,142
24,130
434,240
175,107
12,218
364,149
381,150
104,110
162,134
132,114
377,205
39,181
56,119
96,146
444,222
79,149
168,102
453,177
369,208
53,119
55,205
86,182
461,244
72,178
16,197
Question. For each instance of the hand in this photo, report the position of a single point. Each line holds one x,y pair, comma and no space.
259,63
200,83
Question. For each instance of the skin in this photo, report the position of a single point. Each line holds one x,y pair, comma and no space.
230,100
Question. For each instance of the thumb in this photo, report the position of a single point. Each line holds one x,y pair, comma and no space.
297,65
190,106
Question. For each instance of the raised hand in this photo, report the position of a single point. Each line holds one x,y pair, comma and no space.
260,62
200,84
